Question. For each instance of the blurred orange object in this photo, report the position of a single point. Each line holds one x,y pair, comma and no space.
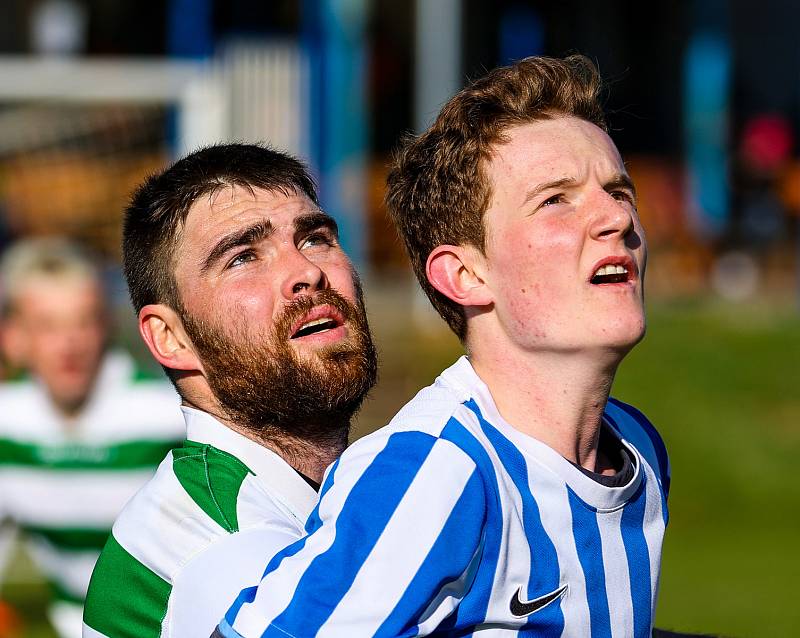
790,188
10,622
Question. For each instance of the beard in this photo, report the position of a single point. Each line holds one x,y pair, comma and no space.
263,384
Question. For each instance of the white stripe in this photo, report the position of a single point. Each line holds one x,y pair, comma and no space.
276,589
507,576
618,581
68,498
556,515
653,530
70,569
88,632
403,545
66,618
162,527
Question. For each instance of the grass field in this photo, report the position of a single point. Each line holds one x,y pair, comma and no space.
722,383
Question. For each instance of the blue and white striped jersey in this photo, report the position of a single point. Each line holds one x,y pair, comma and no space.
450,522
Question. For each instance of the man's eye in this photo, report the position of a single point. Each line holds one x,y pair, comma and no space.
623,196
316,239
555,199
241,258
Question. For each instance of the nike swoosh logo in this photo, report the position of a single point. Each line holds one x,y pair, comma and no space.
521,608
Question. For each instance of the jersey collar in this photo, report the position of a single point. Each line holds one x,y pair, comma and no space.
462,378
275,474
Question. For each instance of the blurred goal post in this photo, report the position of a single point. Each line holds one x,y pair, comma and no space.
76,134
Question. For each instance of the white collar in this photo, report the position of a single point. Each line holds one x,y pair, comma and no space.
462,378
275,474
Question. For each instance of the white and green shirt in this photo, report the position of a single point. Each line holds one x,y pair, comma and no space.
195,536
63,484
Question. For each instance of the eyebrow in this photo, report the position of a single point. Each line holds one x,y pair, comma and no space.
242,237
311,221
620,180
541,188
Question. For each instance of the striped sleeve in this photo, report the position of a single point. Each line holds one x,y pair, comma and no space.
399,525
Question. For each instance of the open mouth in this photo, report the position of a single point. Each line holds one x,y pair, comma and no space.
321,319
315,327
614,271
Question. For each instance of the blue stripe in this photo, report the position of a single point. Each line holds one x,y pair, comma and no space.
472,611
638,561
590,554
363,517
635,437
449,558
247,595
314,521
545,574
655,439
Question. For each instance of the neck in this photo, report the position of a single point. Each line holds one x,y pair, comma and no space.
555,398
308,454
69,411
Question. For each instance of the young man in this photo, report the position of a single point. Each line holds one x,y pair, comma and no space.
247,300
511,497
83,433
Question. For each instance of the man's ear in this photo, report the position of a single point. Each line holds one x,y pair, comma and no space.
163,332
457,273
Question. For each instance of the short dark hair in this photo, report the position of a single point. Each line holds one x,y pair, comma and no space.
437,189
158,209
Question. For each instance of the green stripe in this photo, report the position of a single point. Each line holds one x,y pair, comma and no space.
71,539
125,599
143,374
123,456
212,478
61,593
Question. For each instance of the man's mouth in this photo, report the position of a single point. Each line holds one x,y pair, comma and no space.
320,319
614,270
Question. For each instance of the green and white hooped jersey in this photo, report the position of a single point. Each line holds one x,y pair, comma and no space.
63,485
198,533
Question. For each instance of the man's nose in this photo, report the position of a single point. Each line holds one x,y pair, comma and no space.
610,216
303,276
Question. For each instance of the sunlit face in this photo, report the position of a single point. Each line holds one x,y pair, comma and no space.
565,251
272,306
58,328
243,256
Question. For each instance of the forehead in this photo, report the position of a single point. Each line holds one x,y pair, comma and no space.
548,150
233,207
69,293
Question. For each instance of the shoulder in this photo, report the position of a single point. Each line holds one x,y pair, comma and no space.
146,410
23,407
424,424
204,589
416,456
639,432
136,608
213,479
189,503
179,538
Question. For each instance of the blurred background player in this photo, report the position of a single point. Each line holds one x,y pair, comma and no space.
82,433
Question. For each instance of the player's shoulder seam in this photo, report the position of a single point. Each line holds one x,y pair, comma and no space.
429,411
212,478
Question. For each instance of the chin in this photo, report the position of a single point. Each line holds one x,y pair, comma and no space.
624,336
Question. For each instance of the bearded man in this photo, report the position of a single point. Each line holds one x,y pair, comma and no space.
248,301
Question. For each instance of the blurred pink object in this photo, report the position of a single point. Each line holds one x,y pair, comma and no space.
767,142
